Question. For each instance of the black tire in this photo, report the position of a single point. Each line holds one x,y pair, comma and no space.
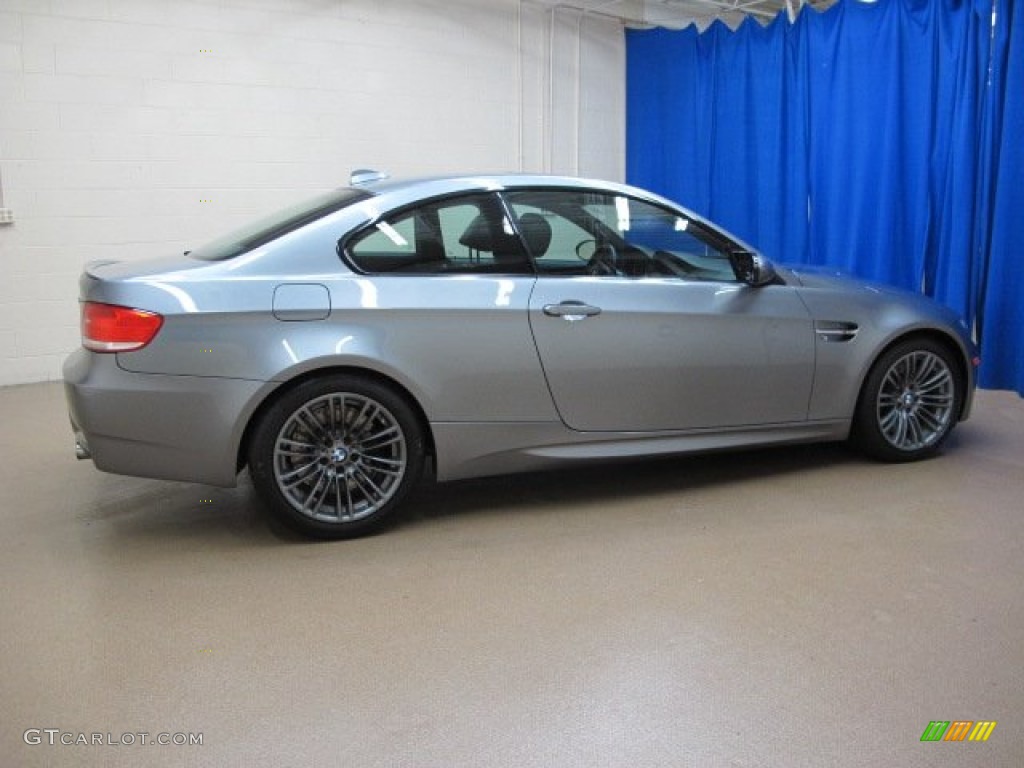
909,403
335,456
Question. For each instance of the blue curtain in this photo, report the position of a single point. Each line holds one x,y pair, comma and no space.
875,137
1001,318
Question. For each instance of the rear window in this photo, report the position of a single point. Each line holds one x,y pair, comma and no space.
277,224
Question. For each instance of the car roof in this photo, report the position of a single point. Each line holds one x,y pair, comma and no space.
430,185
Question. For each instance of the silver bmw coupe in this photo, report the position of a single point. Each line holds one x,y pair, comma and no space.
485,325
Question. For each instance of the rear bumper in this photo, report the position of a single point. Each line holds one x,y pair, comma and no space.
150,425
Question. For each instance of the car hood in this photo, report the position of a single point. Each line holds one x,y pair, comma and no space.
830,277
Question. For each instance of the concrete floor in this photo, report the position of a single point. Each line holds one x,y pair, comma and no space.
796,607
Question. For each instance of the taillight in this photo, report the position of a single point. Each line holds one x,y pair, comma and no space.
110,328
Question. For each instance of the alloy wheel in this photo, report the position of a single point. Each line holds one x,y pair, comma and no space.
915,401
340,457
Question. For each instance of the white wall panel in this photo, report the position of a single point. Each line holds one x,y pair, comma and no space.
137,128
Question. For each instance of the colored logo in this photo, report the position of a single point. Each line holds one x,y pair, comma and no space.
958,730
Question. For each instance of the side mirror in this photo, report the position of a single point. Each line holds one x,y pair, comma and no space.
751,268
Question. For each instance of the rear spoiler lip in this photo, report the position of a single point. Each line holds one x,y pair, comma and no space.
91,266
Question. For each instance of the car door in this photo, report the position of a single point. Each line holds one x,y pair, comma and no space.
641,324
441,295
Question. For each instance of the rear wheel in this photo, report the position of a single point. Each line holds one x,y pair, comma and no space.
910,402
335,456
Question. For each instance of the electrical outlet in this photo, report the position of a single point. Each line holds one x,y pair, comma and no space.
6,216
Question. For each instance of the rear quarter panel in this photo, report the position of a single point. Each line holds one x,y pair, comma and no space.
461,347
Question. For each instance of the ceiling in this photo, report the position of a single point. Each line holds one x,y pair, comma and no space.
677,13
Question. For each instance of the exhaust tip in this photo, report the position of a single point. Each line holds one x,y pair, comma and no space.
81,448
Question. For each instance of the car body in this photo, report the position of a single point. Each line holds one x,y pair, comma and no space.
494,324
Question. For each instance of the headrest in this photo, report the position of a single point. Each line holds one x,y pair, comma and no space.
537,233
478,235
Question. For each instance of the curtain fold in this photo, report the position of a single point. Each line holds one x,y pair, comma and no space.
878,138
1001,319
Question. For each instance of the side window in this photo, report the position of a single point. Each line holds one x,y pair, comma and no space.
386,244
672,244
603,234
461,235
556,230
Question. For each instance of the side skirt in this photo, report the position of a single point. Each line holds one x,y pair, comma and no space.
467,450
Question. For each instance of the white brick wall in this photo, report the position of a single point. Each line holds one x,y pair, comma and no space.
119,117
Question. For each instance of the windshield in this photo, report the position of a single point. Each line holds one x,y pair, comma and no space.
280,223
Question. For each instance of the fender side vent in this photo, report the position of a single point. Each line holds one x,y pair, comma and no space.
836,330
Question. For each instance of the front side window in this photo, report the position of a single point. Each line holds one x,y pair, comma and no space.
463,235
573,232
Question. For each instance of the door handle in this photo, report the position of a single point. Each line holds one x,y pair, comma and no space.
573,311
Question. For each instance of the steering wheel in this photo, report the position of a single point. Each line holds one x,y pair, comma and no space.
585,249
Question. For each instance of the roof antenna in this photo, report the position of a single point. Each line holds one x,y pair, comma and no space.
365,176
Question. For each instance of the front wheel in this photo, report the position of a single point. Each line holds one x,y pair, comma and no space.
909,403
334,457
